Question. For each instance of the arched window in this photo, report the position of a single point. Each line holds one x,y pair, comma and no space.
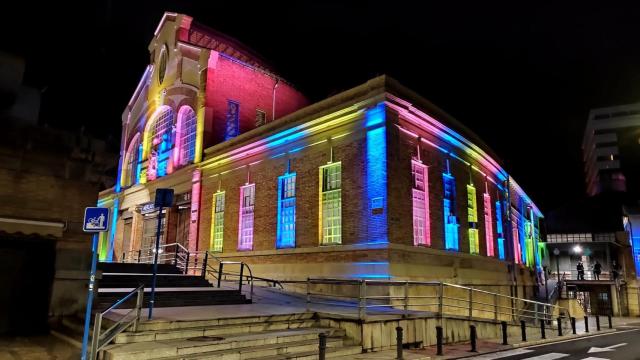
158,142
185,136
131,161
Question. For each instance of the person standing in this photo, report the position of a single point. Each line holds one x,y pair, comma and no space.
597,270
615,271
580,269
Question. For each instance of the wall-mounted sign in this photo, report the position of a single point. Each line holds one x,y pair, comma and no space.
147,208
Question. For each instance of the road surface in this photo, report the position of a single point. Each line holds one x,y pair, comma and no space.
623,344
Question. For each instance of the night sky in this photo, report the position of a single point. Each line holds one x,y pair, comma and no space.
522,77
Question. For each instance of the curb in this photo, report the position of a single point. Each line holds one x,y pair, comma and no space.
539,342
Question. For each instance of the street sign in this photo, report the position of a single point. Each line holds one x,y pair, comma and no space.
164,198
96,219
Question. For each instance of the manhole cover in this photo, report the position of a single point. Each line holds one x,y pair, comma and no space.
206,338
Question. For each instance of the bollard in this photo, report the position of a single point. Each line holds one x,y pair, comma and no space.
523,329
472,337
598,322
610,323
573,325
399,343
439,340
542,333
504,333
586,324
322,347
559,326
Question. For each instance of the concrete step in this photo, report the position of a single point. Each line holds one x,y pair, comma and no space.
185,324
243,346
331,353
107,267
218,330
173,297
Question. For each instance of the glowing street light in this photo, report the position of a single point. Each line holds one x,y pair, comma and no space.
577,249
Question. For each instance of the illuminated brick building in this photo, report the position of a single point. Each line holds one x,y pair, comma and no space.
374,182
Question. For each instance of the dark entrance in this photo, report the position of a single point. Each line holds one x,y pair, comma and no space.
27,268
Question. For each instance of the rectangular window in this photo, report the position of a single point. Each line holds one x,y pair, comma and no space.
245,232
331,204
488,225
472,218
420,198
217,222
515,233
286,230
500,230
232,120
261,118
450,219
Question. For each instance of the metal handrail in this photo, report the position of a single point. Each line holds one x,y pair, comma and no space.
519,308
101,338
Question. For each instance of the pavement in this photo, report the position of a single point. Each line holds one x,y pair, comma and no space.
42,347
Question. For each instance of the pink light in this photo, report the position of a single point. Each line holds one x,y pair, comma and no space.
488,224
195,209
420,197
517,251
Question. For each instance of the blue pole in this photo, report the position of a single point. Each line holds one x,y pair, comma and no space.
155,265
92,281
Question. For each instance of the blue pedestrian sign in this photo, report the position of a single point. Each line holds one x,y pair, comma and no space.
96,219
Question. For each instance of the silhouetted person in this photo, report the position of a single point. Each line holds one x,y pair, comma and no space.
615,270
597,270
580,269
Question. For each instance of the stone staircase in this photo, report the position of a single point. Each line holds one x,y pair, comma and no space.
290,336
172,287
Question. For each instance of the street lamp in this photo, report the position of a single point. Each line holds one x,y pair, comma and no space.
577,249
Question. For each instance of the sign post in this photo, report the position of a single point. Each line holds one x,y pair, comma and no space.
164,198
95,221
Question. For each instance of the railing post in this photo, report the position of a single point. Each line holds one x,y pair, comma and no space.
399,343
362,304
322,346
139,254
175,256
495,307
241,271
308,294
543,335
598,322
123,255
504,333
523,330
95,338
139,303
220,273
610,323
470,303
573,325
535,311
186,263
406,296
559,326
439,340
441,299
472,337
586,324
204,265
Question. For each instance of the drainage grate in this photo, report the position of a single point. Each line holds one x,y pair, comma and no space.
206,338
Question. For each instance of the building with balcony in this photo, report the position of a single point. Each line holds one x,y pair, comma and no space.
374,182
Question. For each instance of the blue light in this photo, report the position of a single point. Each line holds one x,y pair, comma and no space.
112,231
450,219
372,263
376,174
372,276
286,227
500,230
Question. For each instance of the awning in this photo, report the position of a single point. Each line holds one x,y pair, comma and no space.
30,226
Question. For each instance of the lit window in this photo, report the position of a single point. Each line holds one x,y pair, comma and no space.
245,232
187,132
162,66
450,219
232,120
132,161
217,222
261,118
500,230
488,224
160,144
472,218
286,231
515,232
331,204
421,231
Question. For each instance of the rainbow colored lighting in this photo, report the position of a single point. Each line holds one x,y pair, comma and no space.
196,184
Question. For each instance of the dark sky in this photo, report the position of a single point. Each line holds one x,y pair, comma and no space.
521,76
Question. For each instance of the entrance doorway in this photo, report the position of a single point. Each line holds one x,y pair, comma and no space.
149,228
182,225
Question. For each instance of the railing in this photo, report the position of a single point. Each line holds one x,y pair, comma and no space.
174,253
588,275
406,297
101,338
